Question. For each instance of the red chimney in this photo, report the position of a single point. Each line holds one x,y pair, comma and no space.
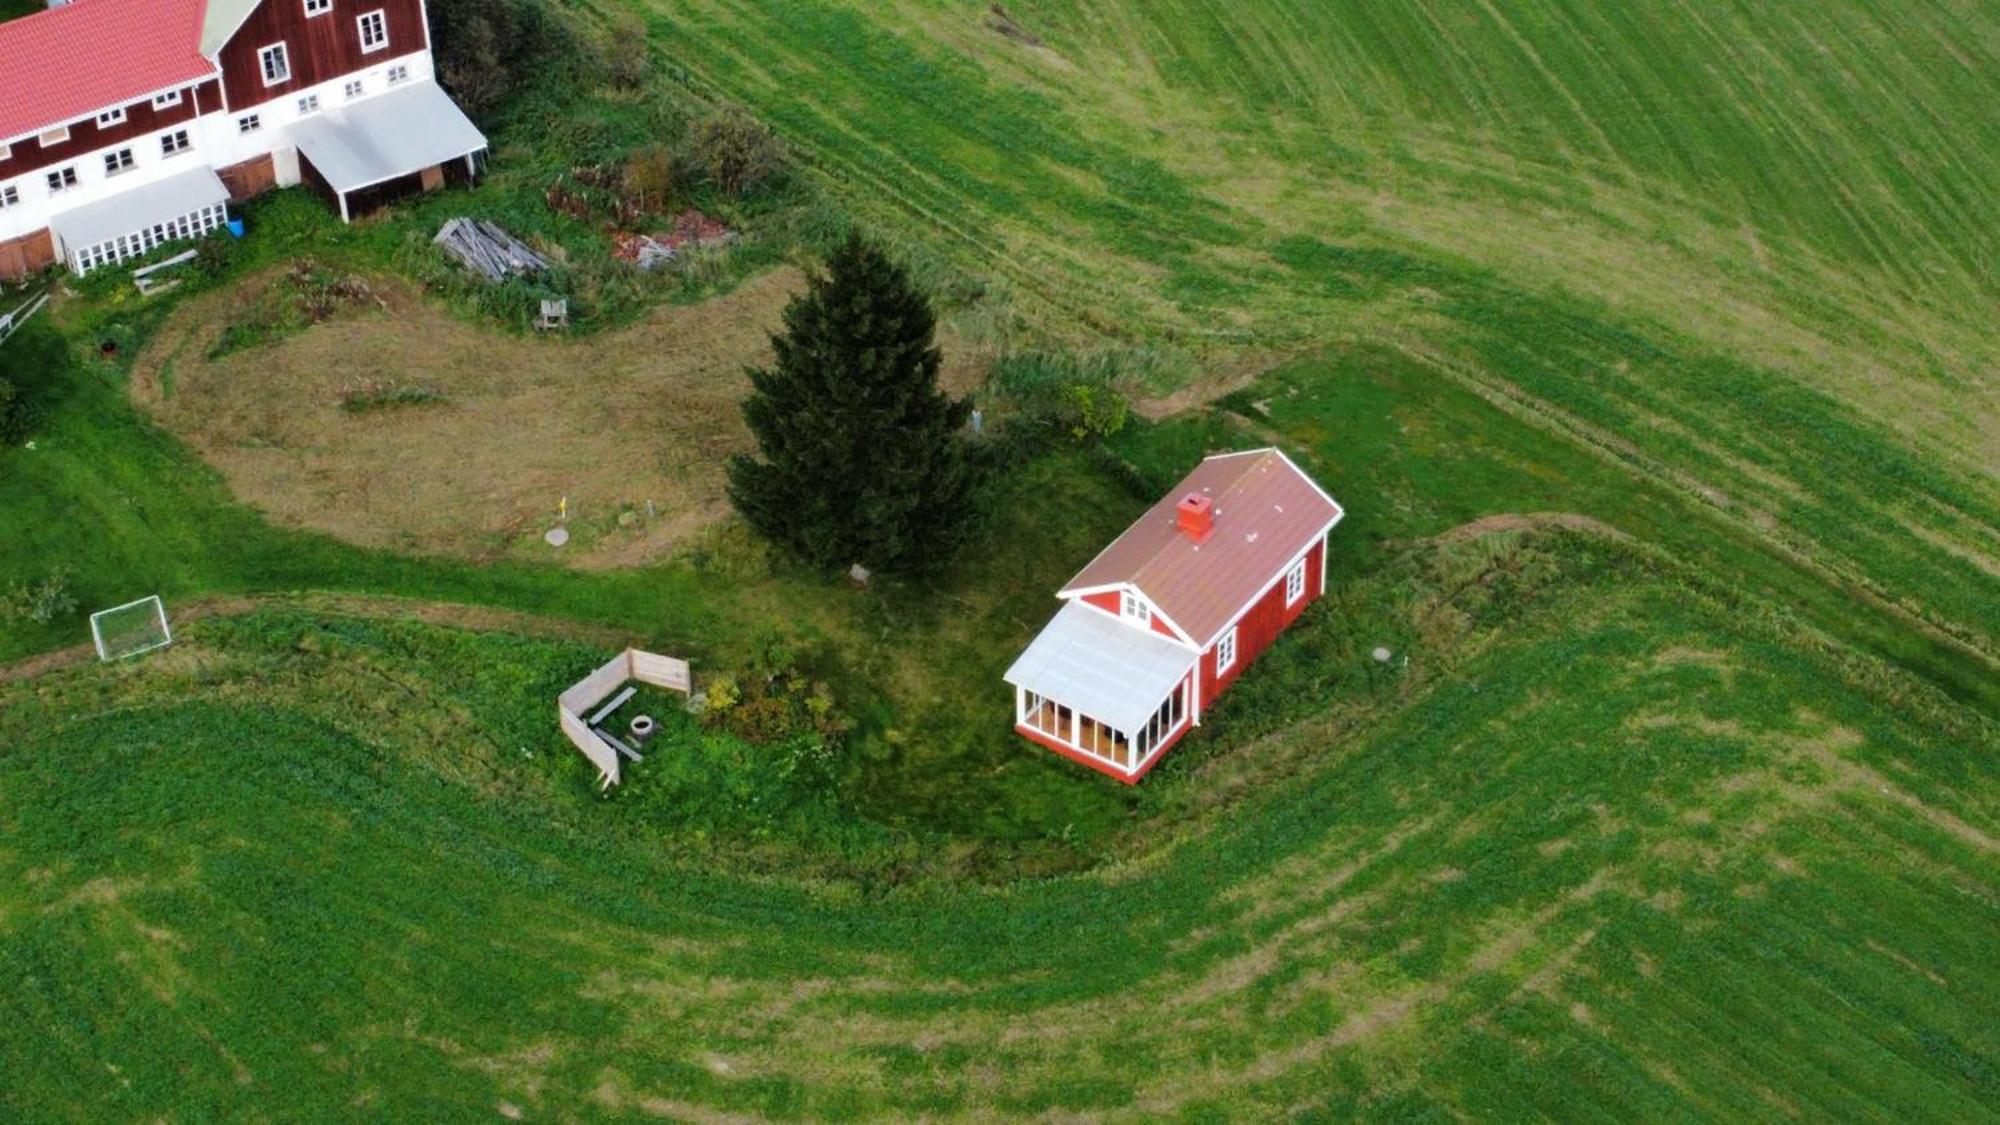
1197,516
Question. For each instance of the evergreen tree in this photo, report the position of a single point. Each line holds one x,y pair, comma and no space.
864,460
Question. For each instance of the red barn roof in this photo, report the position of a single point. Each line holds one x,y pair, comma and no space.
70,62
1265,512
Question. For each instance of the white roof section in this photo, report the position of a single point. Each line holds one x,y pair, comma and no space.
137,208
380,138
220,21
1111,671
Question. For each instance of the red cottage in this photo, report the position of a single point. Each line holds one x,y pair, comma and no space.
1168,616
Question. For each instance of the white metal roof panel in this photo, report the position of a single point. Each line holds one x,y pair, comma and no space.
139,207
380,138
1111,671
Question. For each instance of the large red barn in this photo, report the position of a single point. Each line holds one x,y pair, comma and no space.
1167,616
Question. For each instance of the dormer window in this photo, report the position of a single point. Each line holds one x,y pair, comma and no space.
111,117
276,64
1136,609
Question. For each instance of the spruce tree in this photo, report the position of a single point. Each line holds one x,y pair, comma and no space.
863,456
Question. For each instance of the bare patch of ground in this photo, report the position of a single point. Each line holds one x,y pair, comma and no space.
632,427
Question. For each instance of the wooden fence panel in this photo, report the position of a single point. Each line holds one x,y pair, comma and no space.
661,671
587,693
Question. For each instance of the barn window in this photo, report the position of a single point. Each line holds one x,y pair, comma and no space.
174,142
9,196
318,7
353,89
374,31
62,179
170,98
308,104
54,136
1295,582
399,74
116,162
111,117
276,63
1137,609
249,123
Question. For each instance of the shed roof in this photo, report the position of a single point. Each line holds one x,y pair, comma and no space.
1266,511
377,139
66,63
1102,667
137,208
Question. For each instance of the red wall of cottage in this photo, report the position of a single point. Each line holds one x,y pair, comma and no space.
141,120
321,48
1111,602
1260,626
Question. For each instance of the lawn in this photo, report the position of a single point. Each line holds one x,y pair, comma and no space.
1671,486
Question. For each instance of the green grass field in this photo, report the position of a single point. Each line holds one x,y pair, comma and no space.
1650,350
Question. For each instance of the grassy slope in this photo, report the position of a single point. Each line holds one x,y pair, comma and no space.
1733,885
1758,273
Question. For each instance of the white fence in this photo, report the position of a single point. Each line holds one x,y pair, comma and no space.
573,705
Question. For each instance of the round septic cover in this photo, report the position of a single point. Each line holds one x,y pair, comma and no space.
556,537
1381,655
642,726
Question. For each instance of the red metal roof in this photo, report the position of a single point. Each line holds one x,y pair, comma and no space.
1266,513
70,62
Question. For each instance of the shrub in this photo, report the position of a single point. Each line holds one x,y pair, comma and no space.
39,603
735,152
487,50
627,59
1075,398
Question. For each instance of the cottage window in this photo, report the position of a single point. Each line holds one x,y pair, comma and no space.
174,143
276,63
399,74
353,89
170,98
318,7
9,196
116,162
374,31
249,123
308,104
111,117
1295,582
62,179
1137,609
1225,651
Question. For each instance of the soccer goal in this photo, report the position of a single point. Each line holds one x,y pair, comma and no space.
131,629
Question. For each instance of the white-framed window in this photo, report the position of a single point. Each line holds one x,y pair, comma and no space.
309,104
1135,607
374,31
120,161
6,151
318,7
399,74
170,98
111,117
174,143
54,136
1225,651
62,179
249,123
276,63
10,196
1295,582
353,89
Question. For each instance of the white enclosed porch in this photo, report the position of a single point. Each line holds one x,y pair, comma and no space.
1110,692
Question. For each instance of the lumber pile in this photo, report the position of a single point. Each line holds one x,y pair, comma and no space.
488,250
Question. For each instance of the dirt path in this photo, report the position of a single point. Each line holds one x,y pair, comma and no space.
483,619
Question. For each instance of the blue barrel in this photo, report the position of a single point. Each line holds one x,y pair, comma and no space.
235,228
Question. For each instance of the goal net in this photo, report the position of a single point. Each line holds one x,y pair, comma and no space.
131,629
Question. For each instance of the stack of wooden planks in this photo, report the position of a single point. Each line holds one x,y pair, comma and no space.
488,250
